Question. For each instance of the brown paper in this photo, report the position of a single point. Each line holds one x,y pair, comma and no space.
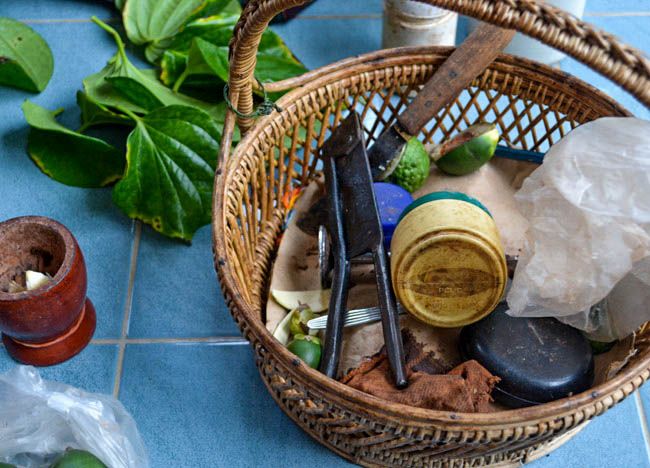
494,185
608,364
296,265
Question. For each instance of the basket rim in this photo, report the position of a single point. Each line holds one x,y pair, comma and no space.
333,390
503,59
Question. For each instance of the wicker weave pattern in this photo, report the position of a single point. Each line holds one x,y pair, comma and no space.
376,442
533,106
623,64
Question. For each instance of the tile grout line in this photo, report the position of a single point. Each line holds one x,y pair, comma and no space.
644,422
188,340
127,308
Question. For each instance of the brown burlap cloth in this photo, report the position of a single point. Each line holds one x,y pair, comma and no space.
466,388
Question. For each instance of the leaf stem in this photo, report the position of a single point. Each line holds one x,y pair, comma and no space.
112,32
131,114
181,79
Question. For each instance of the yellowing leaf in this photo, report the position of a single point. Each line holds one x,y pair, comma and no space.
67,156
171,158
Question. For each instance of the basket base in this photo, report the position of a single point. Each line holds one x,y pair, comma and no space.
543,449
510,459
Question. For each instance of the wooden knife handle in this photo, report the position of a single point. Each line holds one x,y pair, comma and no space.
473,56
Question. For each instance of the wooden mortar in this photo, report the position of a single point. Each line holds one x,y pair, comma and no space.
52,323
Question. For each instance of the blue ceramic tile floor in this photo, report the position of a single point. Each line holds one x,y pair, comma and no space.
165,342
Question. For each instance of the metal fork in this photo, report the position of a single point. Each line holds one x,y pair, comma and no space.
353,317
357,317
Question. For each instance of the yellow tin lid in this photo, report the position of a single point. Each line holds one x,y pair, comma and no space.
447,263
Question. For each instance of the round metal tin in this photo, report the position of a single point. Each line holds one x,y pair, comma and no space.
447,262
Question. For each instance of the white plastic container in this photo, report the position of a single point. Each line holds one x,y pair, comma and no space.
524,46
410,23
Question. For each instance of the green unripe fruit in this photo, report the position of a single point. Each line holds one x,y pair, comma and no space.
413,168
307,348
78,459
468,151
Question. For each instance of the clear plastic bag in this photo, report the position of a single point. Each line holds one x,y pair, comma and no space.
589,211
39,419
624,309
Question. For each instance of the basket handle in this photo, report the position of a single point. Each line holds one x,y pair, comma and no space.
603,52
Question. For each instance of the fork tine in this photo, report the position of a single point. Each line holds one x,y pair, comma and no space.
352,318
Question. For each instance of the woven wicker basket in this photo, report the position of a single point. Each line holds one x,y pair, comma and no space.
534,106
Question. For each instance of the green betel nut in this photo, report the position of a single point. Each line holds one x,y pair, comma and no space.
413,168
468,151
308,348
78,459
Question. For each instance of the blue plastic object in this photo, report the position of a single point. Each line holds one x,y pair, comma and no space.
391,201
519,154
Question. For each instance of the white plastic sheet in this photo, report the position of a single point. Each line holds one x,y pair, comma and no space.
589,212
39,419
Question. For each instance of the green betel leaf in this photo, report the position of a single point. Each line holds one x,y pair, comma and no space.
119,4
93,113
99,90
137,91
172,65
216,7
205,59
25,58
171,158
153,22
121,85
201,49
216,30
67,156
271,67
214,22
274,60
